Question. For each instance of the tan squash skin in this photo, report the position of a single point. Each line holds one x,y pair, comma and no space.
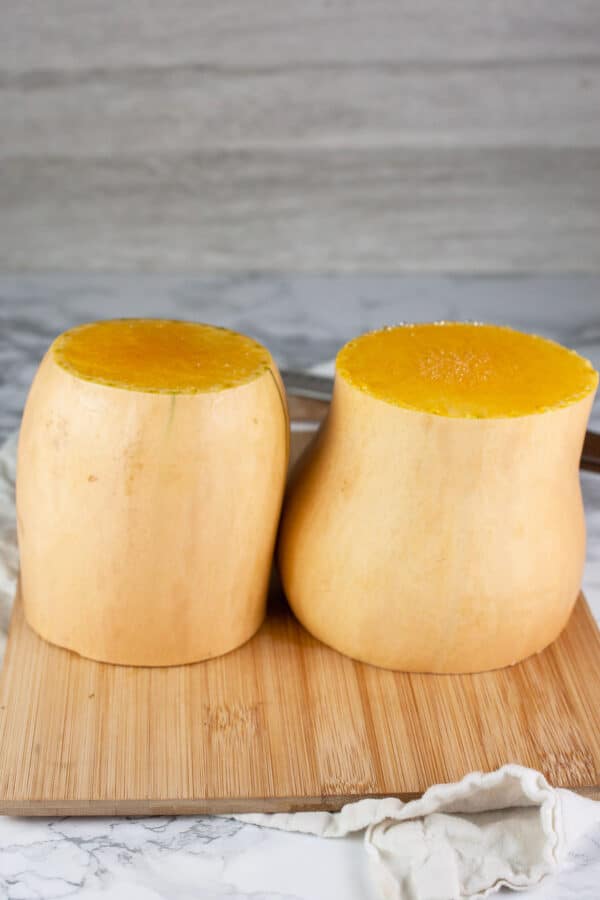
147,521
431,544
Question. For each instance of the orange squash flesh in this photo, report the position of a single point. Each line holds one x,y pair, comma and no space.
160,355
466,370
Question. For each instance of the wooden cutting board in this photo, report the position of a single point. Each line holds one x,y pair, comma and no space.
283,723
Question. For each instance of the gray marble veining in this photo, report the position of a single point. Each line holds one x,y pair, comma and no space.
302,319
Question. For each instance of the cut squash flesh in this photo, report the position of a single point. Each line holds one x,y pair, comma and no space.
466,370
160,355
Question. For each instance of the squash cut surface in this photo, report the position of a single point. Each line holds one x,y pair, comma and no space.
466,370
160,356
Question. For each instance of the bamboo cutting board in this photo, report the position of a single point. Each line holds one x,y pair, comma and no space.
282,723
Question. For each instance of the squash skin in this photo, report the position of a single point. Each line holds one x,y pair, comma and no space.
147,521
424,543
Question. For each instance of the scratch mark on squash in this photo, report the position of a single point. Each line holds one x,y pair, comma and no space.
171,411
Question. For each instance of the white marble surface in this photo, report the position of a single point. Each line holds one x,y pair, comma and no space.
303,320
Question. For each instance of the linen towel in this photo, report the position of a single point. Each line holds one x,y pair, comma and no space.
506,828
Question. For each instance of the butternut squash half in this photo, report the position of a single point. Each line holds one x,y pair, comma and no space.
436,523
151,467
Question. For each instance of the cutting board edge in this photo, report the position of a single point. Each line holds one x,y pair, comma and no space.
224,807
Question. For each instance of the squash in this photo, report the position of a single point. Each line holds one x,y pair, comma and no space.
436,523
151,467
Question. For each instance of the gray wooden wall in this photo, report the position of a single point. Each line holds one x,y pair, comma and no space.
296,134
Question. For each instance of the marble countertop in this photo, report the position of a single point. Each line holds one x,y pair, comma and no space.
303,320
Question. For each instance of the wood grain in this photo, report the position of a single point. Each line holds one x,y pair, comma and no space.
203,210
309,136
283,723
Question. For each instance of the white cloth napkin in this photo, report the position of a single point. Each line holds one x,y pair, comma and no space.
507,828
9,556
